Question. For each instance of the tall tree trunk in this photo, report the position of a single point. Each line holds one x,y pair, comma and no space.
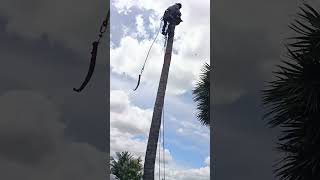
151,152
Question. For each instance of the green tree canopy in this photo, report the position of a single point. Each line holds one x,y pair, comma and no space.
126,167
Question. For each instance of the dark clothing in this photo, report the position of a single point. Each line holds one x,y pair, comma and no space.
171,15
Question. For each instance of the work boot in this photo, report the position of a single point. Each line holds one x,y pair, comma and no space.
164,28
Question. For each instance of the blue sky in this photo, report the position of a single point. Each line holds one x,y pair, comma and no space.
133,26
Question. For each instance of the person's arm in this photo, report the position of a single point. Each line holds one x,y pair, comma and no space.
179,13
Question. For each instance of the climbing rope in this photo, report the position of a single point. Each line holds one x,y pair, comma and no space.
95,44
139,78
147,57
159,154
163,147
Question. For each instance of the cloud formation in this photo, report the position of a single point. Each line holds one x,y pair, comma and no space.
129,128
191,47
33,144
72,23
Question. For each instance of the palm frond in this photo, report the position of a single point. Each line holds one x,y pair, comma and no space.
293,101
201,95
126,167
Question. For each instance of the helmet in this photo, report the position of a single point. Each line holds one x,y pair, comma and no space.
179,4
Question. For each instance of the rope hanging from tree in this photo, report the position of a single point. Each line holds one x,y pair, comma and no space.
144,64
163,147
95,44
138,83
163,150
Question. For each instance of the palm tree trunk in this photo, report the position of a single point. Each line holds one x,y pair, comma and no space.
151,151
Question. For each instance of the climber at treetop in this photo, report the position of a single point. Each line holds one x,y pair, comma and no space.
171,15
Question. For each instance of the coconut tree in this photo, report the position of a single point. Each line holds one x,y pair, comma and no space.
126,167
292,101
201,96
151,151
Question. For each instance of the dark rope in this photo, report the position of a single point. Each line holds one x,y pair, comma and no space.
91,67
138,82
147,58
95,44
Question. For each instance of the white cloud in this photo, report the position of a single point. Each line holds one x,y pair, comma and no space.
141,32
191,50
189,174
207,161
125,31
127,122
123,138
129,57
128,118
192,129
120,142
180,130
176,172
192,46
154,23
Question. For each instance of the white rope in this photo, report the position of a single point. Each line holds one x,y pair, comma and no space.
159,147
163,147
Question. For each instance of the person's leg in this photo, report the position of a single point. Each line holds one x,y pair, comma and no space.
164,26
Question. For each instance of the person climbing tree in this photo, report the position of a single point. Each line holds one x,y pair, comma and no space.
171,15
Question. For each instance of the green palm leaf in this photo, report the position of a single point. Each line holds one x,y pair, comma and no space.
201,95
126,167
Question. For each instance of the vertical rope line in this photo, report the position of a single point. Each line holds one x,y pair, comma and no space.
163,147
159,155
